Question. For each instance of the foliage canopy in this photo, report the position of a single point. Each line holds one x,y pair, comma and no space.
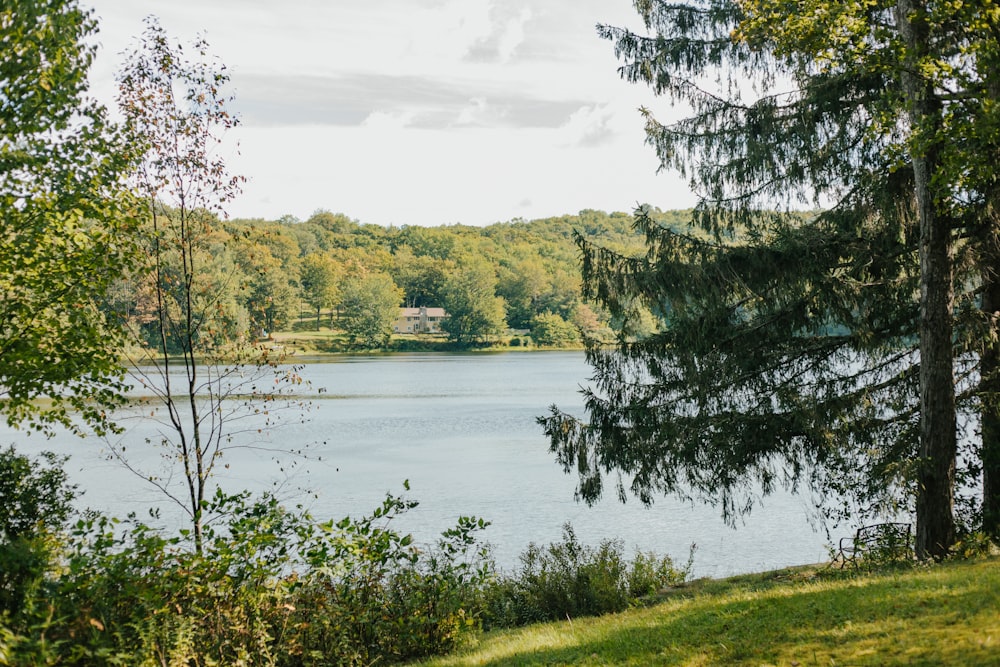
65,222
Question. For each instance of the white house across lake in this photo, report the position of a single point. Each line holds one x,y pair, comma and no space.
419,320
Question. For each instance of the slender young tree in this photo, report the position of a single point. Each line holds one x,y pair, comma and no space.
176,111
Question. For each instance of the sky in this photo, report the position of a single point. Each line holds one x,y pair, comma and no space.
418,112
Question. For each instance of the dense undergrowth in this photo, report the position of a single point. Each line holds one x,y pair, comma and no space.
273,585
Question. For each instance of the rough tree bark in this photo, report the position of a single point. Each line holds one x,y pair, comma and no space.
938,442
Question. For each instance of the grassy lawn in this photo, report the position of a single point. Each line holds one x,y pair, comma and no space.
306,340
936,615
328,341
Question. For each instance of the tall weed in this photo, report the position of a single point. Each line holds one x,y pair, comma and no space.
568,579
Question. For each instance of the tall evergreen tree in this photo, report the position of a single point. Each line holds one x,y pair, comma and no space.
945,55
938,440
970,74
787,349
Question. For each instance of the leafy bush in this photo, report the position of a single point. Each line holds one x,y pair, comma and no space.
974,545
370,594
568,579
35,497
552,329
127,595
271,587
882,545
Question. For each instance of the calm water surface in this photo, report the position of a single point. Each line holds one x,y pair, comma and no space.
462,430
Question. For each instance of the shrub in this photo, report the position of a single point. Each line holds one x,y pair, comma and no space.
974,545
271,587
128,595
552,329
650,574
372,595
35,497
568,579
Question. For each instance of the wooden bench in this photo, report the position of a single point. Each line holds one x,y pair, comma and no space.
884,541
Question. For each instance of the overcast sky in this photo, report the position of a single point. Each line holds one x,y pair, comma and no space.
419,112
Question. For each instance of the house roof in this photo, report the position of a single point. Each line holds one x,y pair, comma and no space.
415,312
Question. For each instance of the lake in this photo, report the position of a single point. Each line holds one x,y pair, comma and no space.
461,428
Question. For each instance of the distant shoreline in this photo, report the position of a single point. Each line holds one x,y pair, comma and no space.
319,346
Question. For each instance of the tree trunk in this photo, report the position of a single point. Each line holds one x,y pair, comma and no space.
989,362
989,387
938,444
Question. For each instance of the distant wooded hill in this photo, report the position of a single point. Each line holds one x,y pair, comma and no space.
266,274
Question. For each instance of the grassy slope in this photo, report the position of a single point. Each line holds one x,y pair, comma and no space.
941,615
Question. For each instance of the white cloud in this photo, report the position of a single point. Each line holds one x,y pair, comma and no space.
590,126
507,31
347,99
387,121
449,30
477,112
512,34
419,111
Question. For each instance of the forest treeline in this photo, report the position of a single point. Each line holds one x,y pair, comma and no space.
334,271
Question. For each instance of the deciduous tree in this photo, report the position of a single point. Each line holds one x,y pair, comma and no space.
475,312
271,299
522,284
420,276
65,226
369,304
318,278
551,329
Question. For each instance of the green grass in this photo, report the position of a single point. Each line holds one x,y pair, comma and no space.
935,615
328,341
309,342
